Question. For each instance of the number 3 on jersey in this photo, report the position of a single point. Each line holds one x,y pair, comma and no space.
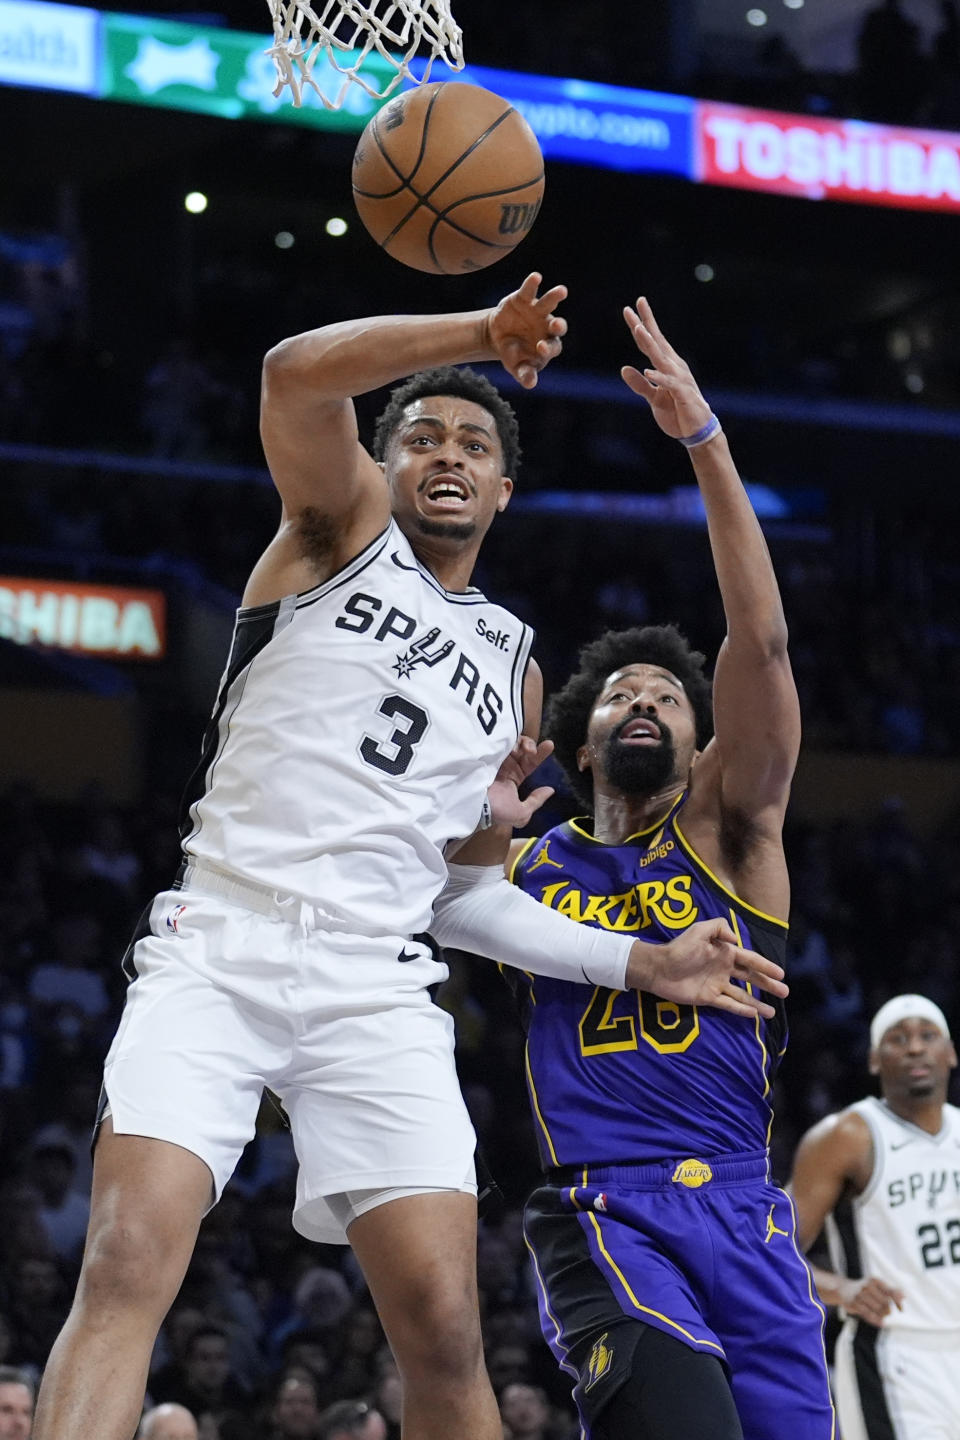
393,755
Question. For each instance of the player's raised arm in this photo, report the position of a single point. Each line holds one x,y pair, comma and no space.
756,711
307,420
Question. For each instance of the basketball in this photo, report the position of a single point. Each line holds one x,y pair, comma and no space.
448,178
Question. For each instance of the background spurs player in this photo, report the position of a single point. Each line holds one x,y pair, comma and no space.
884,1175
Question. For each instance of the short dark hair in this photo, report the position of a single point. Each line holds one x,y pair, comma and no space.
568,712
465,384
12,1375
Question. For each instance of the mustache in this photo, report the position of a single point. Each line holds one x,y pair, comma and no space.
662,730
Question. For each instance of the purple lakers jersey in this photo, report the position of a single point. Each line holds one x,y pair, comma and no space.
625,1077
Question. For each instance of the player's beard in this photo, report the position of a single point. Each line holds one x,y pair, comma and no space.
462,530
639,769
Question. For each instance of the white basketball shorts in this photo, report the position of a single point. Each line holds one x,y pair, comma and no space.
233,990
894,1382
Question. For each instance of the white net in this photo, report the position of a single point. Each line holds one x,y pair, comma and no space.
342,34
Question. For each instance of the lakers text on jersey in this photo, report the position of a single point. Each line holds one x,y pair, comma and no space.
700,1079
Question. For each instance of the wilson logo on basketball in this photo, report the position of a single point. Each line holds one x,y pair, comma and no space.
517,219
393,114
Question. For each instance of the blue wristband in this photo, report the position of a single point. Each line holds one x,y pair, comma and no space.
700,437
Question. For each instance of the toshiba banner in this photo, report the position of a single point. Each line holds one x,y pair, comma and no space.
110,621
827,159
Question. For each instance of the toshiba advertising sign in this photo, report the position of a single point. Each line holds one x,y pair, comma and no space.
827,159
110,621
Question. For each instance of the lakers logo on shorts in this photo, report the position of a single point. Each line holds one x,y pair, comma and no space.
601,1358
692,1173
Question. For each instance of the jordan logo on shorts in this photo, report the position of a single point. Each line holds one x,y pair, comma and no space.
773,1229
173,919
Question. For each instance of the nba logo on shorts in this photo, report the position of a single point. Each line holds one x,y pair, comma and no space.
600,1203
173,919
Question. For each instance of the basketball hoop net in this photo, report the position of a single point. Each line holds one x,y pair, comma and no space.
346,31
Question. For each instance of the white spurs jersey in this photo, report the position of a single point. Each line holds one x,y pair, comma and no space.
905,1227
357,728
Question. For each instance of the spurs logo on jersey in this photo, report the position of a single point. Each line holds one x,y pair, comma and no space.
905,1227
360,612
357,728
420,653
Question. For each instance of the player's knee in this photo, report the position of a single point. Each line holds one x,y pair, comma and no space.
131,1265
441,1343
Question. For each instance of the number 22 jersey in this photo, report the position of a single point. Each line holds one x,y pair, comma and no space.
624,1077
357,728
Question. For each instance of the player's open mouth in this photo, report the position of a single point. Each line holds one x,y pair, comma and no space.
640,732
447,492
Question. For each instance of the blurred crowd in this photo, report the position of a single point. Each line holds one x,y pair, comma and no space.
870,599
271,1335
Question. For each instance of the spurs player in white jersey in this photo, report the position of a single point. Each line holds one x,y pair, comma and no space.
884,1177
368,700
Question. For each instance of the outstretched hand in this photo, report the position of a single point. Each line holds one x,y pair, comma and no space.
525,332
666,384
504,794
701,966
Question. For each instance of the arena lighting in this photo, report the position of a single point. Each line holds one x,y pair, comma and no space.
704,273
794,4
336,226
147,60
108,621
284,240
756,17
196,202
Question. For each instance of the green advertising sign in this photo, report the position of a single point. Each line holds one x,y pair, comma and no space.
222,72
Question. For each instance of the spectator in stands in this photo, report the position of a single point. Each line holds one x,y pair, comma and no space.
204,1381
525,1411
388,1398
71,975
295,1414
37,1305
168,1422
16,1404
62,1211
352,1420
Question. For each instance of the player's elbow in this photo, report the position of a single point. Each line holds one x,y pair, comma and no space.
282,362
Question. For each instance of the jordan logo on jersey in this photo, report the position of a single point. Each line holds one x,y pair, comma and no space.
542,857
420,653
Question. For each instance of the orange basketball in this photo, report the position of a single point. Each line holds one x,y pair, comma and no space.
448,178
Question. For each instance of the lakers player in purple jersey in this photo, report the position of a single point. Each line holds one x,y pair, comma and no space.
671,1286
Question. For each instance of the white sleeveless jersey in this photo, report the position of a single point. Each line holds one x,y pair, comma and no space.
356,731
905,1227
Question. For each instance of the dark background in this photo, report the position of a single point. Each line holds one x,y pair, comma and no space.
129,361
